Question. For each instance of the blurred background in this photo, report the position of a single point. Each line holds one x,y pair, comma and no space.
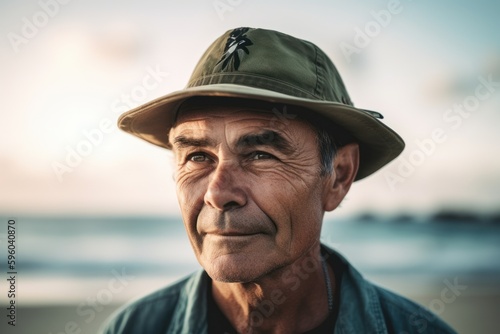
95,209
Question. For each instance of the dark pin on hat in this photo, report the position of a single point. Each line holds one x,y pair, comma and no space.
270,66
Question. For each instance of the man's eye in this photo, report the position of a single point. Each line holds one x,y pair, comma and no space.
261,156
197,157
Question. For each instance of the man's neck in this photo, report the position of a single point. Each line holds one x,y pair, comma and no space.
292,299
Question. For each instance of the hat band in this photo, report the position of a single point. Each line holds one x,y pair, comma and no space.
254,81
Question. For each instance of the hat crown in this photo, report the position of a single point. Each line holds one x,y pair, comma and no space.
273,61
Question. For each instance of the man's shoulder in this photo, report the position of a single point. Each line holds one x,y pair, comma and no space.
406,316
151,313
365,306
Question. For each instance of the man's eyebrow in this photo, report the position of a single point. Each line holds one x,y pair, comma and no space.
184,142
266,138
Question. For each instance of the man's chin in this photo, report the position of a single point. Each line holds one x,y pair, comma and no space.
234,269
230,278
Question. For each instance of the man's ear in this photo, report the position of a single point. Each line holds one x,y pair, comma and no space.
345,168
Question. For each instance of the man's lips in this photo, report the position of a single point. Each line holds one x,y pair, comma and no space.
233,224
233,233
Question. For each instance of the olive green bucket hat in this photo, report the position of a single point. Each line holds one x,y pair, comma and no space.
270,66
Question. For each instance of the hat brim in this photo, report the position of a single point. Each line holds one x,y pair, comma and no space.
378,143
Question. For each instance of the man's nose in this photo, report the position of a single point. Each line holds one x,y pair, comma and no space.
225,191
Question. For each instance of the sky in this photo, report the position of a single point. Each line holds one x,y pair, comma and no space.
69,68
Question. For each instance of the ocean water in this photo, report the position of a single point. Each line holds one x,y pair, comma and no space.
67,259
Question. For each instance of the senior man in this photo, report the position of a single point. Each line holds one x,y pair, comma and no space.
266,140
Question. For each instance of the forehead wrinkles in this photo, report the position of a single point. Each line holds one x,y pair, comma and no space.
228,125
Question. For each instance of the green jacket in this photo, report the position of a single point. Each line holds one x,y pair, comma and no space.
364,308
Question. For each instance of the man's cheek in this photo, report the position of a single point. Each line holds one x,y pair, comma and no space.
196,243
190,196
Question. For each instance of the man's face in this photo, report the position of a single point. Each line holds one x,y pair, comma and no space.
249,188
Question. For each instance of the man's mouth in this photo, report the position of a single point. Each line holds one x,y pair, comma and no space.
233,233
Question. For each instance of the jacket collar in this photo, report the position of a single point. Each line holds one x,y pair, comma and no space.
360,309
190,315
